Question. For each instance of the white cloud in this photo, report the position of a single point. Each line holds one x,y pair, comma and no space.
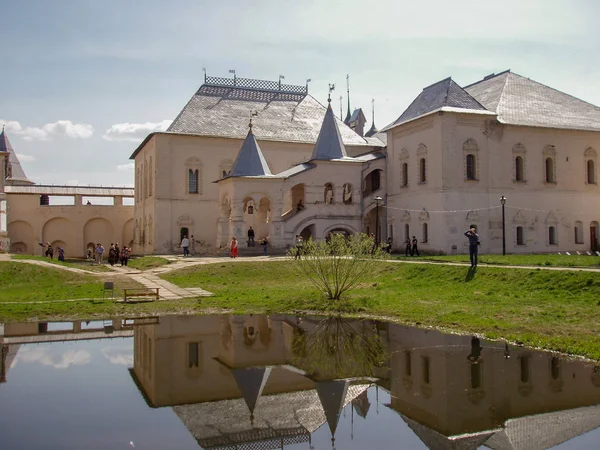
46,132
126,167
25,158
134,132
118,356
47,357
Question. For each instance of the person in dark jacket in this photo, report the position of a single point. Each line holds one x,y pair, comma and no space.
415,247
473,237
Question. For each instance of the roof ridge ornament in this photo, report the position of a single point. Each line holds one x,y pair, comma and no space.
252,114
331,89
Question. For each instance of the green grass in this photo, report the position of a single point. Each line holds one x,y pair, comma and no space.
147,262
76,263
548,309
549,260
26,283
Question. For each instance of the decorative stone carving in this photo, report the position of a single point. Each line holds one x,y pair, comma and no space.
422,149
405,217
403,154
519,149
520,218
590,153
551,218
424,215
472,216
185,219
470,145
549,150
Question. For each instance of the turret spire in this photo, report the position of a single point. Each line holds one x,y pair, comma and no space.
373,130
347,119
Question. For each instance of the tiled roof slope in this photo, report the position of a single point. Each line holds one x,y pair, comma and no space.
445,93
17,174
223,111
520,101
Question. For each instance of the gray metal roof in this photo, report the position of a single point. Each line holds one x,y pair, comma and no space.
16,174
445,93
250,161
520,101
88,191
329,143
302,167
356,114
223,111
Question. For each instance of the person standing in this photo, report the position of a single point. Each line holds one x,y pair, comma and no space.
61,254
233,248
299,246
415,247
265,244
250,237
124,256
99,253
474,242
407,247
185,245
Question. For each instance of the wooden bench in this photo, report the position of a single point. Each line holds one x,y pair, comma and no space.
141,292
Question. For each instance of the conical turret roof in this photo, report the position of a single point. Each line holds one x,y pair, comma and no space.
332,395
329,143
250,161
14,172
251,382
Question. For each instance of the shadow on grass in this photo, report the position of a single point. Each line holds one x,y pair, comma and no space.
470,273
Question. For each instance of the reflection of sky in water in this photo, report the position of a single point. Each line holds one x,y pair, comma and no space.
74,395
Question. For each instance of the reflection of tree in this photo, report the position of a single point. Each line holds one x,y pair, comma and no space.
335,349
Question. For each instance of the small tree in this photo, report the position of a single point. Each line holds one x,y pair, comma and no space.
339,264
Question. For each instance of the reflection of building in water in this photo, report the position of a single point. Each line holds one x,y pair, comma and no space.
12,335
457,391
231,379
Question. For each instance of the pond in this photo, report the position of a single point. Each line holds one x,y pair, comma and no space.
284,381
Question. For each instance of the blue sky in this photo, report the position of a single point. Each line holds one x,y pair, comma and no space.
83,82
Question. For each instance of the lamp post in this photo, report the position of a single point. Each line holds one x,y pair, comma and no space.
503,202
377,200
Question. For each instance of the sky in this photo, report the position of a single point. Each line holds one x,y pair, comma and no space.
84,82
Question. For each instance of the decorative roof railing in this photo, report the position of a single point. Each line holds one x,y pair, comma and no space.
259,85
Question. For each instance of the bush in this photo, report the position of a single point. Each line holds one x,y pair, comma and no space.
339,264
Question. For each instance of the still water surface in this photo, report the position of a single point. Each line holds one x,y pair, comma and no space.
269,382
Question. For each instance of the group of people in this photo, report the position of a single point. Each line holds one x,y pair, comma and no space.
411,247
115,254
49,252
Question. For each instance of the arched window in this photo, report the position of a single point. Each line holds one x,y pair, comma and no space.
347,196
328,194
150,178
404,174
223,174
519,172
552,235
406,231
192,181
183,232
376,180
591,172
520,236
425,236
578,232
422,171
549,170
470,160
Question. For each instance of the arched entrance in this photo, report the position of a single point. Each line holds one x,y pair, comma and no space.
57,230
308,232
98,230
295,200
128,233
257,214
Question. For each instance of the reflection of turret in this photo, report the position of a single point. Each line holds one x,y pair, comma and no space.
251,383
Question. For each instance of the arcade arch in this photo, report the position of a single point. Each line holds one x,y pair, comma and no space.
57,229
21,236
98,230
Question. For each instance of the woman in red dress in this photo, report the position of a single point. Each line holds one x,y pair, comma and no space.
233,248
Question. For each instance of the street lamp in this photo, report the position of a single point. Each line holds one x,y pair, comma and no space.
503,202
377,200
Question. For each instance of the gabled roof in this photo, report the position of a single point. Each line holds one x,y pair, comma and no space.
520,101
329,143
357,115
250,161
15,175
443,94
219,109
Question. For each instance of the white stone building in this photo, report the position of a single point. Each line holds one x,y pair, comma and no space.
450,157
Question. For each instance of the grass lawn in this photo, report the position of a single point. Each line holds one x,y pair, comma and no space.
549,260
147,262
77,263
24,283
548,309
